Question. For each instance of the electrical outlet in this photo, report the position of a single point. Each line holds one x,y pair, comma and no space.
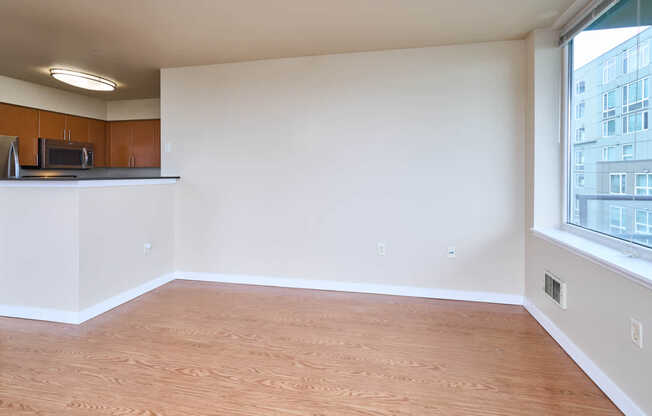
636,331
147,248
380,249
452,252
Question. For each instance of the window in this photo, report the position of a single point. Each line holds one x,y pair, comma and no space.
636,95
609,104
636,57
579,160
643,184
616,220
635,122
607,120
617,183
610,153
643,221
609,71
628,152
608,128
579,111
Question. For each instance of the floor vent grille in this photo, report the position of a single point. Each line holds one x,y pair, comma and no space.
555,289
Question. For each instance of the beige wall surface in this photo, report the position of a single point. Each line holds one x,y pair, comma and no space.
600,302
13,91
133,109
299,167
114,225
38,248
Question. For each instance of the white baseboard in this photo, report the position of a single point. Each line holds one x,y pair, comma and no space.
73,317
619,397
39,314
414,291
120,298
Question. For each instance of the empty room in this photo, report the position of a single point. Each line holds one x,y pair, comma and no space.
325,208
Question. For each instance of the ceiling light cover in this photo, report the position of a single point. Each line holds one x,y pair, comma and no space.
82,80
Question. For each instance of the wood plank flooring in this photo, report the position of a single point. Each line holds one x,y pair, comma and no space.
196,348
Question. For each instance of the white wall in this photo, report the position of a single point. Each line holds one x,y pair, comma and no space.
114,225
133,109
298,167
600,301
38,248
14,91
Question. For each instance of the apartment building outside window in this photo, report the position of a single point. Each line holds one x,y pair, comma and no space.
616,220
643,220
643,184
609,71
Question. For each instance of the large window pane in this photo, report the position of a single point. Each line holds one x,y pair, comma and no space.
610,144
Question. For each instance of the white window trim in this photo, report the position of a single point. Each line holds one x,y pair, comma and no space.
611,62
577,112
643,128
605,153
647,217
621,221
605,123
605,100
625,105
622,156
620,183
577,87
647,186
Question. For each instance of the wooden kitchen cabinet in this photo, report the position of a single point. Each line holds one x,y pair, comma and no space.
52,125
97,136
135,144
21,122
62,126
77,128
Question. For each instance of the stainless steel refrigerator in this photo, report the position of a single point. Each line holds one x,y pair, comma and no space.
9,165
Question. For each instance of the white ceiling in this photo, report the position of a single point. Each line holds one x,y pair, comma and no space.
129,40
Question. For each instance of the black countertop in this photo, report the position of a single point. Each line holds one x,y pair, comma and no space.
74,179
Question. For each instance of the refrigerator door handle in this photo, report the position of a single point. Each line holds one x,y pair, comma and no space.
13,154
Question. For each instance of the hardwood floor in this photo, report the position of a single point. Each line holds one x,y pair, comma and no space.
195,348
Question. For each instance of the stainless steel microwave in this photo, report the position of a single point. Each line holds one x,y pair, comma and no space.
62,154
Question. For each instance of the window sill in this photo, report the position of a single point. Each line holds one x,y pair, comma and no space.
637,269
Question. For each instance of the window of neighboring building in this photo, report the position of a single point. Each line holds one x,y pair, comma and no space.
580,181
643,221
636,54
635,122
617,183
616,219
609,71
579,111
610,153
636,95
643,185
580,87
628,152
579,134
609,104
579,160
608,128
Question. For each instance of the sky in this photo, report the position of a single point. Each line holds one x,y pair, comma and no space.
590,44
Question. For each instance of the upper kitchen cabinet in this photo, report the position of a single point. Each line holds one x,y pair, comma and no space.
134,144
146,147
97,136
52,125
62,126
21,122
77,128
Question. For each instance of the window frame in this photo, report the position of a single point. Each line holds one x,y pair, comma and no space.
622,227
644,114
605,123
631,155
622,185
647,225
625,110
648,184
567,141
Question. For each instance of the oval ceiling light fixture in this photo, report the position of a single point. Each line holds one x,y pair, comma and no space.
82,80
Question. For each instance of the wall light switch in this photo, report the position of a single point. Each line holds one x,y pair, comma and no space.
168,147
452,252
147,248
